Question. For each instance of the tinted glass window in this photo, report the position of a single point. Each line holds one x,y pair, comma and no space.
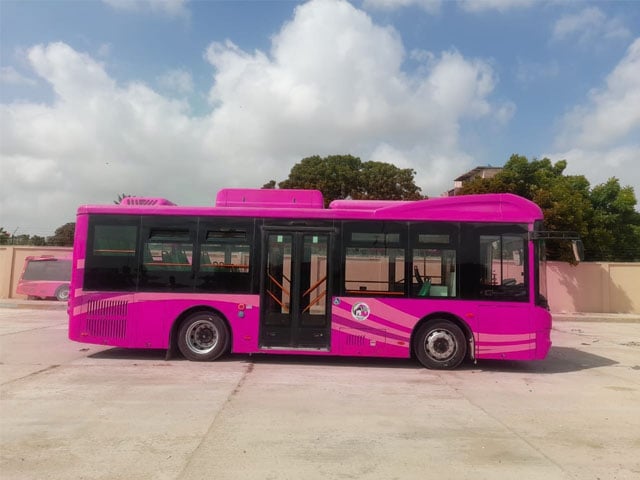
433,260
503,267
434,272
224,263
167,253
50,270
111,253
374,259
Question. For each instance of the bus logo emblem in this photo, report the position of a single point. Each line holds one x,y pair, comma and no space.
360,311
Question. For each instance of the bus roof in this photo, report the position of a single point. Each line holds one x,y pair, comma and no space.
271,203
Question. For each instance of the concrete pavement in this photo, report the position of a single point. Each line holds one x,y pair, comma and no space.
74,411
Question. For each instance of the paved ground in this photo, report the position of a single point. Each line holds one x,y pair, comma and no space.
73,411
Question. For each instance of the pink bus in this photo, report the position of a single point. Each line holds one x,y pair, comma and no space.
46,276
273,271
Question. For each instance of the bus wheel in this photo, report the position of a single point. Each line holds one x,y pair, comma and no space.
62,293
203,336
440,345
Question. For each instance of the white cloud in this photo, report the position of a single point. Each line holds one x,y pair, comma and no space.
527,72
104,50
319,90
502,6
603,133
170,8
612,112
10,76
589,25
177,80
429,6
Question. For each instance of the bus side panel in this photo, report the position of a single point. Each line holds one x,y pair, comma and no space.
366,326
145,320
542,326
505,331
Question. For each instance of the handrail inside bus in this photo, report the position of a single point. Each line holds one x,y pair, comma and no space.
320,296
278,301
315,285
273,279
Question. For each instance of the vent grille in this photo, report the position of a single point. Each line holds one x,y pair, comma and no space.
97,327
145,201
356,340
107,318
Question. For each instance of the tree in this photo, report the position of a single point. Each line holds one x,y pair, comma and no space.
120,198
343,176
38,241
615,224
604,216
4,236
63,236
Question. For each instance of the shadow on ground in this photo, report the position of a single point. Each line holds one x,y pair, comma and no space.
560,360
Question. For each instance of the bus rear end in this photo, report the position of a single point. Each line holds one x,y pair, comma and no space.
45,276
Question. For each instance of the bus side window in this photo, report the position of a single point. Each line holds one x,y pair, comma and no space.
433,261
225,260
503,267
111,254
374,259
167,260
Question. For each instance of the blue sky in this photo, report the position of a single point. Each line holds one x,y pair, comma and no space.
180,98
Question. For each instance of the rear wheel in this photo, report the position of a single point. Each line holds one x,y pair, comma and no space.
203,336
62,293
440,344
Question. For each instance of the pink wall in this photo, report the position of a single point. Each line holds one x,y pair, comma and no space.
594,287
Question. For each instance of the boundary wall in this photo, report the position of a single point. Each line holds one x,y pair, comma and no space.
12,261
590,287
594,287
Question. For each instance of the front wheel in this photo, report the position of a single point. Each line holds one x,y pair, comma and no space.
203,336
440,345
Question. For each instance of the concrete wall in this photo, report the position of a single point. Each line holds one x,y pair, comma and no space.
12,262
594,287
591,287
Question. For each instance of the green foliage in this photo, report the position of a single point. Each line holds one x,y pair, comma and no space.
63,236
342,176
615,223
38,241
4,236
605,216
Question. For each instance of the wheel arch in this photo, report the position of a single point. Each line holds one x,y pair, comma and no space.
172,350
432,317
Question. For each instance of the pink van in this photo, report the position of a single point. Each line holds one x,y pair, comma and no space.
46,276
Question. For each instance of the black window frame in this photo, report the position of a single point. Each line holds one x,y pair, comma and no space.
417,241
115,272
472,267
172,274
396,287
227,281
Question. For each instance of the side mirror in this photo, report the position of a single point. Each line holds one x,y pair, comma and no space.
517,258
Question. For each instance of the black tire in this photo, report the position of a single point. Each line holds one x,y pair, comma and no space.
62,293
203,336
440,344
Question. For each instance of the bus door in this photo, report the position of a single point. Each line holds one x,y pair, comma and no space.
294,290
